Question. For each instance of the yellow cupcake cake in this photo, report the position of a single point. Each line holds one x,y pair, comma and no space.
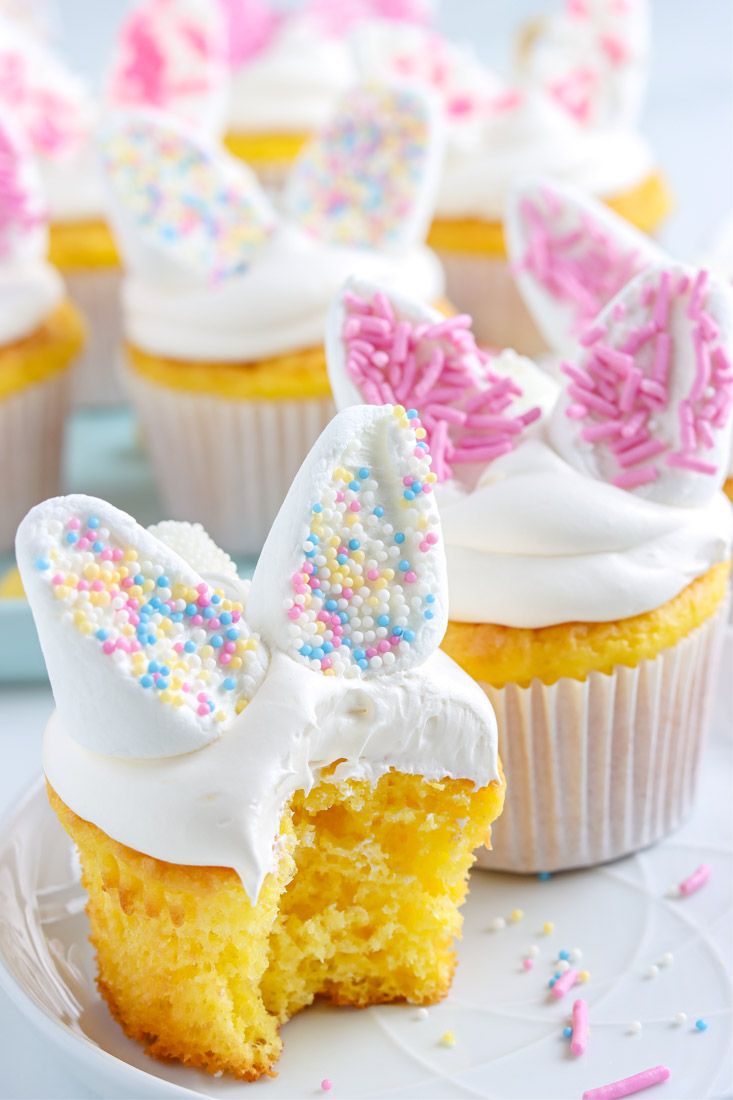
225,300
588,548
276,792
40,335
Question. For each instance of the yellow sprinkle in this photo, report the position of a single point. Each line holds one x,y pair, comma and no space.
373,601
135,592
72,579
381,583
431,478
128,629
148,585
516,915
239,705
389,574
420,433
61,592
178,700
130,554
165,696
398,410
84,628
220,716
91,571
249,643
548,927
584,975
358,556
448,1039
205,652
235,663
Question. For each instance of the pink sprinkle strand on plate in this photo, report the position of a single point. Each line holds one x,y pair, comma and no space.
695,881
564,983
579,1037
628,1086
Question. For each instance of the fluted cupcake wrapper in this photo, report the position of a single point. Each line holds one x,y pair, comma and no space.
223,462
96,379
599,768
31,439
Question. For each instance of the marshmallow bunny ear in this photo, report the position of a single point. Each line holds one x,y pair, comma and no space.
352,579
570,255
49,105
649,400
196,546
592,58
369,179
179,206
383,347
146,659
171,56
22,208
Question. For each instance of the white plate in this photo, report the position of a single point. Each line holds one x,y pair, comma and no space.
508,1032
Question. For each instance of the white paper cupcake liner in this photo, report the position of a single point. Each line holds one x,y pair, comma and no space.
599,768
31,440
97,293
223,462
484,287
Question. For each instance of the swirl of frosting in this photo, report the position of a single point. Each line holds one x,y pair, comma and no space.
551,545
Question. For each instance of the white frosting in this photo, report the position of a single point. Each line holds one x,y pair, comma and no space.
29,291
73,185
291,86
221,806
278,305
538,543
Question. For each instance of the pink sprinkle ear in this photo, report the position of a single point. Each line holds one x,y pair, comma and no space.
651,396
435,368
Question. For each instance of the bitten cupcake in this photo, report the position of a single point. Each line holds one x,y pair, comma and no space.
40,335
289,71
588,552
276,794
569,112
225,300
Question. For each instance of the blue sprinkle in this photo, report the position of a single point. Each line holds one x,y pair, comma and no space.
354,544
355,486
701,1025
544,876
404,565
43,563
567,1032
379,511
216,641
427,614
155,602
342,559
317,653
153,666
363,473
72,537
408,494
161,684
152,639
416,487
563,955
209,613
311,553
225,618
430,598
343,616
102,635
383,620
397,630
551,983
232,634
93,522
229,684
305,650
317,507
97,547
346,642
313,538
164,670
363,663
411,414
399,537
210,704
327,647
557,975
139,578
146,681
163,581
331,605
191,609
177,617
409,635
190,647
216,598
359,654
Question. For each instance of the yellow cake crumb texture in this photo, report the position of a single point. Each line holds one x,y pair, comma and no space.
361,909
265,149
645,206
500,655
11,586
78,246
51,348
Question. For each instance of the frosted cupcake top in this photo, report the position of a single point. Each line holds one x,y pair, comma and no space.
209,257
191,706
29,286
569,110
289,70
605,508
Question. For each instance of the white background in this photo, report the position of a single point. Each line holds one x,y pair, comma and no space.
689,120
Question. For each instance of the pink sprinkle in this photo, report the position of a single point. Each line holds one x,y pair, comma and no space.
83,543
326,662
230,647
695,881
225,658
631,479
108,647
688,462
57,579
355,506
326,1085
527,963
372,575
564,983
74,523
340,497
294,612
579,1038
371,652
202,588
197,620
97,586
383,646
83,586
106,555
127,582
202,710
348,593
410,577
202,697
203,601
628,1086
596,332
236,616
117,554
432,538
178,647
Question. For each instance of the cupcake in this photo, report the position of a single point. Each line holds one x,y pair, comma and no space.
289,72
588,550
40,335
569,112
273,799
225,300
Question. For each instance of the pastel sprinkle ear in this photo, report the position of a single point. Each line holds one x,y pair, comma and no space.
180,205
369,179
385,348
171,56
649,399
570,255
146,659
22,209
196,546
355,552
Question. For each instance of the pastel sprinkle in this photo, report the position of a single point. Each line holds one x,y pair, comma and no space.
679,1019
422,1014
528,963
628,1086
564,983
448,1039
497,924
548,928
579,1029
516,915
326,1085
635,1027
695,881
567,1032
701,1025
